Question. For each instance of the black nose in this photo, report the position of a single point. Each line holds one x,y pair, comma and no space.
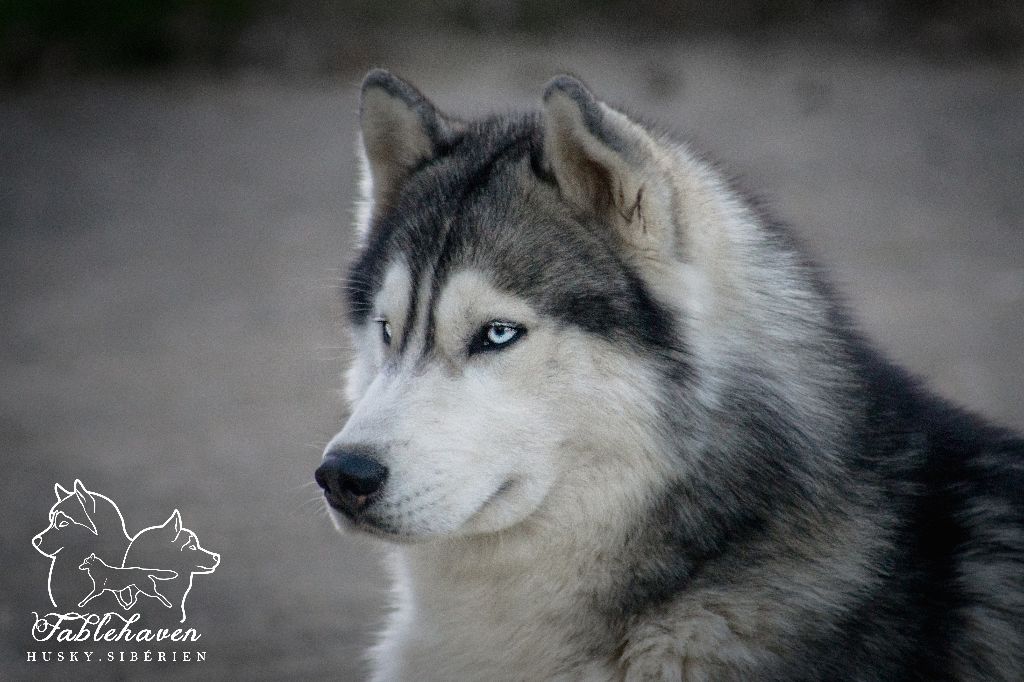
349,480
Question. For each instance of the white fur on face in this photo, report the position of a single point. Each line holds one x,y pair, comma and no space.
473,443
464,438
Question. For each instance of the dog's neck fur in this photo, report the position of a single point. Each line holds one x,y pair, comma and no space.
509,601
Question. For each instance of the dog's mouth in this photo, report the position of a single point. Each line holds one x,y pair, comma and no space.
354,508
364,519
378,528
46,552
358,514
498,493
362,515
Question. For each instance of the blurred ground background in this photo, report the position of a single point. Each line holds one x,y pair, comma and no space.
175,189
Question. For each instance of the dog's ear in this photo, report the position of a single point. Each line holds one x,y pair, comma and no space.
400,129
60,491
88,503
607,166
175,521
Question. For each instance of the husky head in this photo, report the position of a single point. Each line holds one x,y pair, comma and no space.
79,519
508,327
170,546
557,315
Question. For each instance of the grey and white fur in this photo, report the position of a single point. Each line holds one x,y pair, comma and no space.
615,426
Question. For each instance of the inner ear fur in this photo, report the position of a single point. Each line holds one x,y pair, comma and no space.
605,164
400,129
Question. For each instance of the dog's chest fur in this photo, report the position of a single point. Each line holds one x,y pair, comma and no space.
459,619
456,620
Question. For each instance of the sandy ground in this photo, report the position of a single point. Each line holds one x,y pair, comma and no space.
173,337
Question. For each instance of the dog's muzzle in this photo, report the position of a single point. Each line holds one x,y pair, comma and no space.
350,480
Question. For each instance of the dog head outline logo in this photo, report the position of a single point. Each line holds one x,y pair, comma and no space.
81,520
87,540
170,545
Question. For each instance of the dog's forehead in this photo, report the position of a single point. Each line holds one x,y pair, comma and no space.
65,505
489,207
395,287
447,212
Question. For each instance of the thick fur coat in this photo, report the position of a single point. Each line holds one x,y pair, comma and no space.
616,427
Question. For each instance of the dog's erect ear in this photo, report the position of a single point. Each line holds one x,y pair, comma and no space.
606,165
88,503
400,129
82,492
175,521
60,491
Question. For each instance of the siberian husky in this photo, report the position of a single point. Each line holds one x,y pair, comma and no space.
615,426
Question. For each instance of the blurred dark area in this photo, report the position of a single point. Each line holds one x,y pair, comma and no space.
47,37
41,35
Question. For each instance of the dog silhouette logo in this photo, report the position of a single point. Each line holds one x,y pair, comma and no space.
94,560
123,582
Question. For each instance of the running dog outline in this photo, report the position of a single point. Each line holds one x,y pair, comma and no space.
125,582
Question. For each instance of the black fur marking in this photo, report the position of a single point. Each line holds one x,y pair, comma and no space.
454,239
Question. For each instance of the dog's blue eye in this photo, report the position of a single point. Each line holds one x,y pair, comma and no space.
496,336
499,334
